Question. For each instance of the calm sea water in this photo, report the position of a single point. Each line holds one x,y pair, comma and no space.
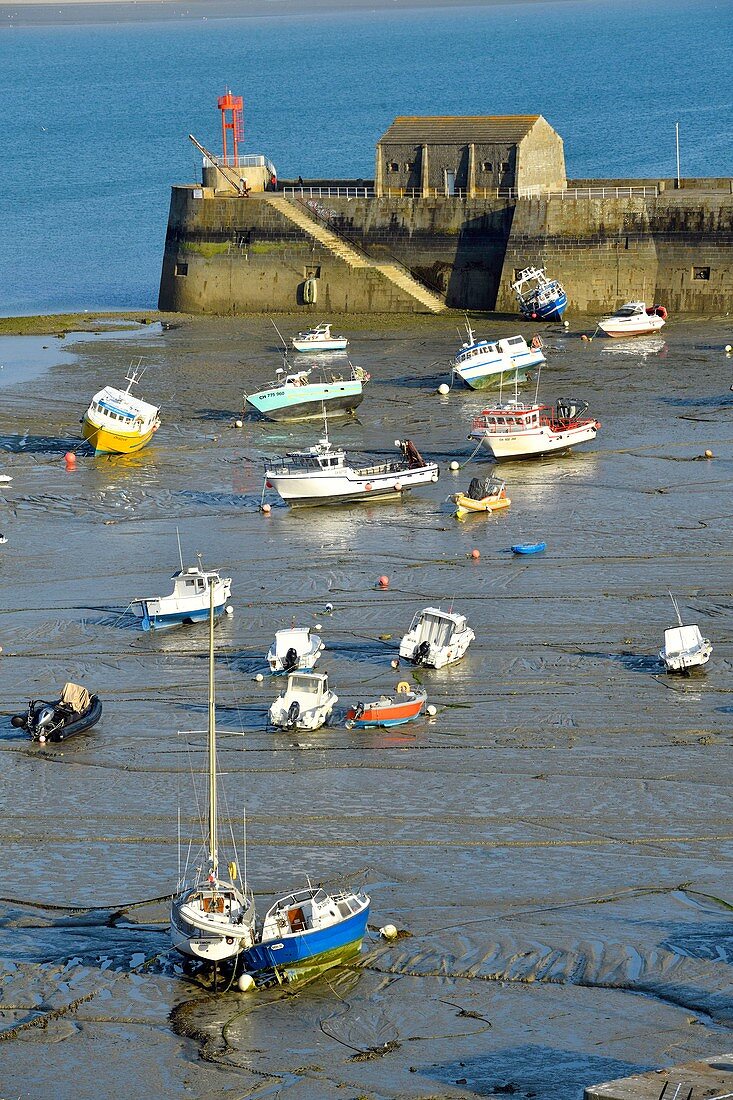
96,117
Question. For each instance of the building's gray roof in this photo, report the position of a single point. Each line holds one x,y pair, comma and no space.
458,129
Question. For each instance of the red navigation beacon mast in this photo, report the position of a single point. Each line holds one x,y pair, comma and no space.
235,105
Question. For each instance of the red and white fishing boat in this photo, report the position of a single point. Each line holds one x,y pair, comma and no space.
634,319
517,429
388,711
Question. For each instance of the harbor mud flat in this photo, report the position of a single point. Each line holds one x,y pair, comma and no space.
554,845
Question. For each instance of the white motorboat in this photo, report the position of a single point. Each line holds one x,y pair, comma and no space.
483,363
684,646
634,319
319,339
306,703
189,600
436,638
295,649
212,915
324,475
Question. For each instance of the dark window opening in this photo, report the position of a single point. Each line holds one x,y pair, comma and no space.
181,269
701,273
312,272
393,166
409,165
487,166
505,166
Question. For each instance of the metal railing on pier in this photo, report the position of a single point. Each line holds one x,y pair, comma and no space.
568,194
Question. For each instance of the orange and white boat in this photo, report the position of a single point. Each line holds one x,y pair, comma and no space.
484,495
388,711
634,319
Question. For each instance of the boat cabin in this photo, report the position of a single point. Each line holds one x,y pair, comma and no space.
119,409
436,627
311,684
513,345
516,418
679,640
308,909
192,581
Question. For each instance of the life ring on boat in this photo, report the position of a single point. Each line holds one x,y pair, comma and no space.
137,422
536,343
403,688
368,487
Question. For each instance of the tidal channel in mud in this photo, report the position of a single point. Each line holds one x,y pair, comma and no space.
557,841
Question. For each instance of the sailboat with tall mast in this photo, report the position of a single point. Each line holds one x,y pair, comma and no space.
212,917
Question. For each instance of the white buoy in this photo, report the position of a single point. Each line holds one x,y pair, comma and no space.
395,663
229,609
238,423
432,710
245,983
388,932
729,348
455,466
566,324
319,626
259,677
329,608
443,389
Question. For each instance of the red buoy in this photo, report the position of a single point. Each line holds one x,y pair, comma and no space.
475,554
383,582
70,460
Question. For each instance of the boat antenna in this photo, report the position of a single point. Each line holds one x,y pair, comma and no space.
469,330
282,339
674,604
213,853
180,555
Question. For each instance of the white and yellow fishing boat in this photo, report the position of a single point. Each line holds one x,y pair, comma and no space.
117,422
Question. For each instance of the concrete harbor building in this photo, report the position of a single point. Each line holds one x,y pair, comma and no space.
457,207
472,156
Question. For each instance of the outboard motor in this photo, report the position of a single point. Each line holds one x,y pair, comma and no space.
422,652
293,713
358,710
291,659
45,718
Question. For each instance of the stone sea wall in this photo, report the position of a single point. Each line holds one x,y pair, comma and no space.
226,254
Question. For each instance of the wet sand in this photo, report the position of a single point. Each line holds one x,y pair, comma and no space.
557,842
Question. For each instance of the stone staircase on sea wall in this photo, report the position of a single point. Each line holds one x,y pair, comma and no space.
398,276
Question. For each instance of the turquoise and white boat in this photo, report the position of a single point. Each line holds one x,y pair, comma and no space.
484,363
304,394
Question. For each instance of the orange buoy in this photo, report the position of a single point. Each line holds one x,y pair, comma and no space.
70,460
383,582
266,509
475,554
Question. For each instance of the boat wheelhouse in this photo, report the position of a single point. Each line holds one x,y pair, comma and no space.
484,363
117,422
521,430
539,298
684,646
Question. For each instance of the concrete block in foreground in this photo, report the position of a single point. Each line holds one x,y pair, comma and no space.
708,1079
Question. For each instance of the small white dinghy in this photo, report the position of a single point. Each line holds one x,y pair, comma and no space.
306,704
684,646
436,638
294,650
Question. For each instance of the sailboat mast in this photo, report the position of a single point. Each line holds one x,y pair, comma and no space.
213,853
